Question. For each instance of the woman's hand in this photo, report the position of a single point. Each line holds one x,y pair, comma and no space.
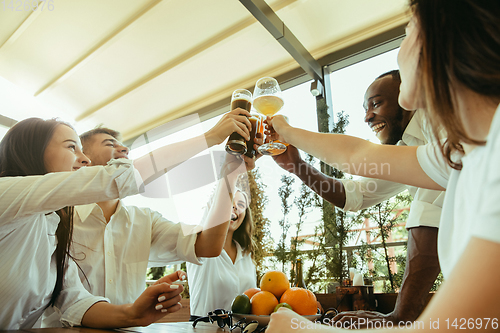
286,321
155,302
234,121
275,128
170,278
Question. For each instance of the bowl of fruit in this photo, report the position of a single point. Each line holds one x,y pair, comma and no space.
274,292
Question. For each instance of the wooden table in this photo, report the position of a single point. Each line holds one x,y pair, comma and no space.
184,327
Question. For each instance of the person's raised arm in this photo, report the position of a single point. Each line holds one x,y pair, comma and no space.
161,160
357,156
210,240
328,188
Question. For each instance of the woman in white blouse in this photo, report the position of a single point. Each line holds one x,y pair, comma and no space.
38,188
215,283
450,66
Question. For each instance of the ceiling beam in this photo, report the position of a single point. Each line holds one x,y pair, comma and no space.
371,47
277,28
98,48
197,49
268,18
22,28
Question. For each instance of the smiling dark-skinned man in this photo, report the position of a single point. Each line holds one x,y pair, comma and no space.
392,125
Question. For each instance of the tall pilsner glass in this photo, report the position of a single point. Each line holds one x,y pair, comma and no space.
236,144
267,101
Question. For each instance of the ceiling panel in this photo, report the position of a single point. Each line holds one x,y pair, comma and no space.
135,64
57,38
10,21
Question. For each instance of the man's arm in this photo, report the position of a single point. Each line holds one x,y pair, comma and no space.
163,159
422,268
357,156
328,188
347,194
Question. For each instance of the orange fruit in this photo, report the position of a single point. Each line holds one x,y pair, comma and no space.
252,291
275,282
303,301
263,303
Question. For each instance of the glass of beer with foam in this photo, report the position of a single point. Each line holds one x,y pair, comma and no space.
267,100
236,144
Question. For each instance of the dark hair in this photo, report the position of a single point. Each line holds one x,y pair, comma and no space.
22,154
243,235
86,137
394,73
460,44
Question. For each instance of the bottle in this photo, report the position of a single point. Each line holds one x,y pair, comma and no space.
299,278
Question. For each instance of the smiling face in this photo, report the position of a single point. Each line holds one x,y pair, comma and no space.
383,113
64,153
101,148
239,211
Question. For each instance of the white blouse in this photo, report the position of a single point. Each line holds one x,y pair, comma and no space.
472,195
27,239
215,283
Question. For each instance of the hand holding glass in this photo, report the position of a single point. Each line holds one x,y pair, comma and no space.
236,145
268,101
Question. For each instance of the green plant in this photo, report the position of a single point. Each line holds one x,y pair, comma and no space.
285,191
155,273
262,240
303,203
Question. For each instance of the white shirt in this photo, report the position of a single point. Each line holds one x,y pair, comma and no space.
471,206
116,254
425,209
27,239
215,283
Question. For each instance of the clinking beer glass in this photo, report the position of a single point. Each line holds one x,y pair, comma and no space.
257,122
268,101
236,144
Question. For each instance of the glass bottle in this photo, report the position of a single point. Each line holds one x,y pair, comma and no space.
299,277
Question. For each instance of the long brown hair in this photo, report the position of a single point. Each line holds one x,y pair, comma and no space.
460,44
243,235
22,154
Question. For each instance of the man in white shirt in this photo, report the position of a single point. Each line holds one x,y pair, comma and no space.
117,243
392,125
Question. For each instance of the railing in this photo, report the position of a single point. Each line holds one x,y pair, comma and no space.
351,249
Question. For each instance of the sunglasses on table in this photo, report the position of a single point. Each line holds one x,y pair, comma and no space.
223,318
250,327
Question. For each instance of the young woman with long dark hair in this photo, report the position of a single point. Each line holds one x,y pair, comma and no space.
232,272
450,66
43,174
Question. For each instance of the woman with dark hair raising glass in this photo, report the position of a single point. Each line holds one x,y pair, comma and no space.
41,178
450,66
215,283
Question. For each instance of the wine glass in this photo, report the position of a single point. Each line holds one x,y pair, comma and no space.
267,100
